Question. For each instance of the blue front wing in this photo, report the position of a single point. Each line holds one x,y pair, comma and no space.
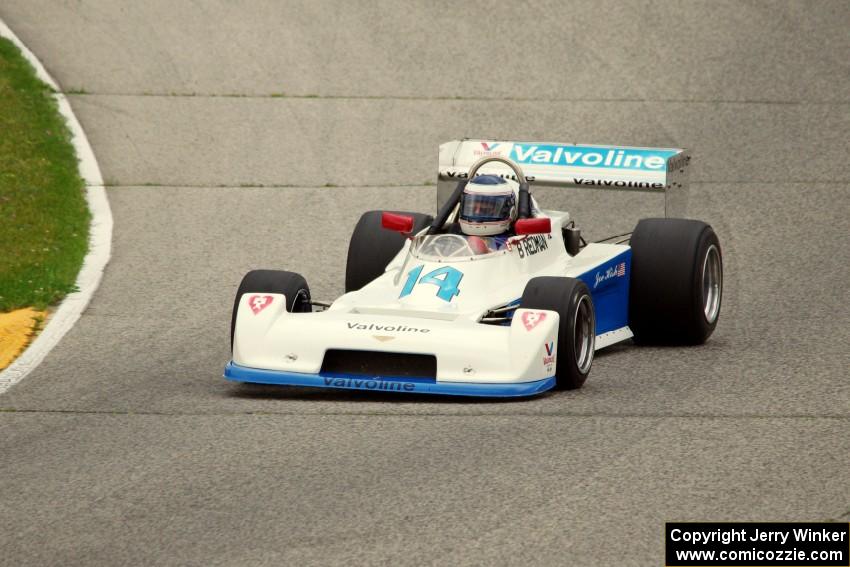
237,373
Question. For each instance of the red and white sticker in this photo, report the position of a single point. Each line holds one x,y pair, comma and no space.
532,318
259,302
550,353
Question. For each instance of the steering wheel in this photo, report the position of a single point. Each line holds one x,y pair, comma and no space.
446,246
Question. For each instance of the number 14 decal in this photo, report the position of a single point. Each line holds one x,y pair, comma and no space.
446,279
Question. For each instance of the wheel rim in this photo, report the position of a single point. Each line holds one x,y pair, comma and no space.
584,334
712,284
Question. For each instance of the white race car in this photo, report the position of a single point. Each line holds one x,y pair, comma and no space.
427,310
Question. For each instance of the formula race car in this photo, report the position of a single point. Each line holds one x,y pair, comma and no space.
432,306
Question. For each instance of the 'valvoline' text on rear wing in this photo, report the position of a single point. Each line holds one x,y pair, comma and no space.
568,165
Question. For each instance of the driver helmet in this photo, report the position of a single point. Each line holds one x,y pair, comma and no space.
488,205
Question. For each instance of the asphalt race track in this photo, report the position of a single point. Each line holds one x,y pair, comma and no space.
239,135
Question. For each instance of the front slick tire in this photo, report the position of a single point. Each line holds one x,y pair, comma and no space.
290,284
372,247
676,283
571,299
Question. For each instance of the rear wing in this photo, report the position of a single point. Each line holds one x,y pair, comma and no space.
654,170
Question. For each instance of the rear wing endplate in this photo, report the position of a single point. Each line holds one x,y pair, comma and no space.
621,168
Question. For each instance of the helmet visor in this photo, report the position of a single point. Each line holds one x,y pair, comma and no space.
487,208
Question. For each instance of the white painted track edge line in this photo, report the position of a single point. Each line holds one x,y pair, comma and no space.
100,236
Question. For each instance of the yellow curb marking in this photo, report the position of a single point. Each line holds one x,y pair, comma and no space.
16,330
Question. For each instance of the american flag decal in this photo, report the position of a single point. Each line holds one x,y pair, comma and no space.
616,271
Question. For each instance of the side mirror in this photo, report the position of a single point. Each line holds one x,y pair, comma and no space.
397,223
540,225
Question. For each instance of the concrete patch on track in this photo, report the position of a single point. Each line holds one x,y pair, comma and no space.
100,239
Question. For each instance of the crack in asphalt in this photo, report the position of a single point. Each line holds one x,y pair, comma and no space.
83,92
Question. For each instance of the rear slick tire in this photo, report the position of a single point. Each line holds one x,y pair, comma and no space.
676,284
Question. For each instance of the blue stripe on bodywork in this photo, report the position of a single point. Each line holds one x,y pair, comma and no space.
610,292
238,373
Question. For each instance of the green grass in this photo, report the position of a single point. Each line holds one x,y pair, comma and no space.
44,220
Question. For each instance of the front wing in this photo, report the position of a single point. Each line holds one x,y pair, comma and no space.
408,385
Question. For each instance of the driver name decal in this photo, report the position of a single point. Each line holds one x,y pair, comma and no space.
259,302
531,245
532,318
